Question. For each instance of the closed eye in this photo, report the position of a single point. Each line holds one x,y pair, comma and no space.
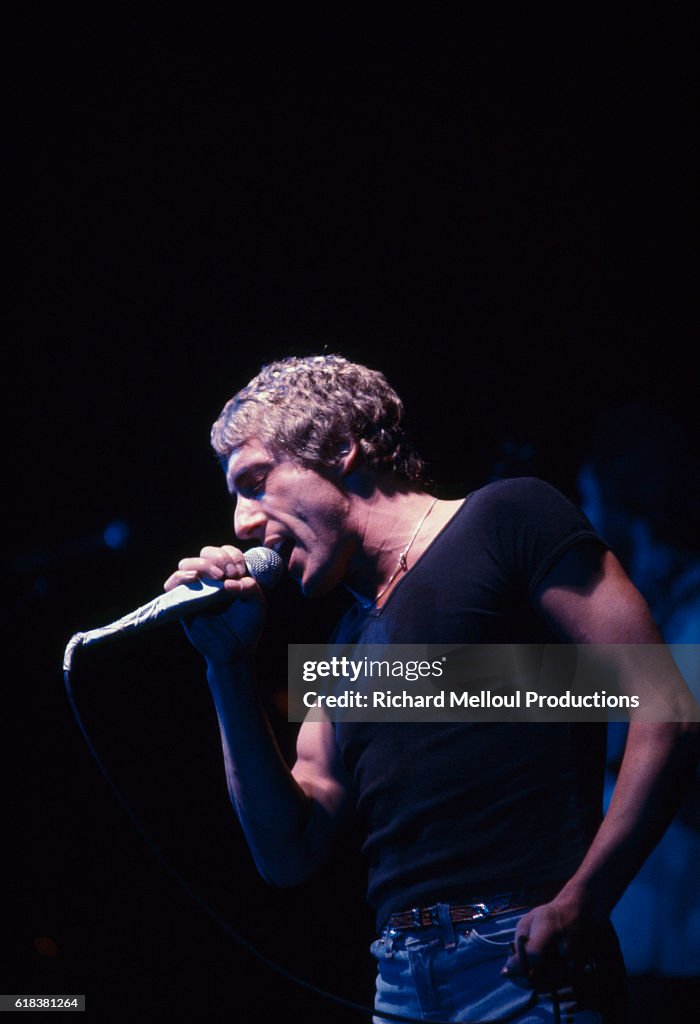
249,480
251,486
257,489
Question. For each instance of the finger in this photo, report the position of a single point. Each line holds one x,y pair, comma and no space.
523,928
544,931
202,566
234,562
521,953
513,967
229,559
218,554
178,578
518,963
245,587
523,963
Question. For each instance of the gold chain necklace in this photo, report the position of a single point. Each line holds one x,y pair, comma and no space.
401,565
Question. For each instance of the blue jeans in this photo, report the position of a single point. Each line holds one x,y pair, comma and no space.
451,972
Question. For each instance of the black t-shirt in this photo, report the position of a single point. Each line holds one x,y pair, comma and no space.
458,810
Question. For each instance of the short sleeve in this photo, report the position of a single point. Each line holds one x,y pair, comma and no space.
531,525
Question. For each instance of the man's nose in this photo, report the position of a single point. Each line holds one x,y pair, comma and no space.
248,519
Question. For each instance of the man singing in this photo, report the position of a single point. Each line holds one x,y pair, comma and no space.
491,872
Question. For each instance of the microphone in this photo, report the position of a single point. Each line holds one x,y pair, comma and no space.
263,564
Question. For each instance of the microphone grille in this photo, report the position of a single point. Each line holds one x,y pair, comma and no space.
264,565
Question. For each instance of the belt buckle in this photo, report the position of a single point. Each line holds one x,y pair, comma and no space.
416,921
417,916
481,910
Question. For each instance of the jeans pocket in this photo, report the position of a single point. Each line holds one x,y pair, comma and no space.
501,939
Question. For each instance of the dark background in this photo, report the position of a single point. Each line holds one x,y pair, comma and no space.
495,209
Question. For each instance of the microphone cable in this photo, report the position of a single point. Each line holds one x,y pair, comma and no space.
235,934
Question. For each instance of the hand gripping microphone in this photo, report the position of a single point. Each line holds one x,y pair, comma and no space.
263,564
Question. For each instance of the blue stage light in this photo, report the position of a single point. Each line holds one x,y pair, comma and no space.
116,534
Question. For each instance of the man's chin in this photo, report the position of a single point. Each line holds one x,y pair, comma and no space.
310,591
314,587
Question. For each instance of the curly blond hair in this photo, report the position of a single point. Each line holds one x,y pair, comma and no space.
309,408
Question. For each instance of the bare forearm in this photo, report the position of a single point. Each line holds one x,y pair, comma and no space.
275,813
287,820
657,766
658,761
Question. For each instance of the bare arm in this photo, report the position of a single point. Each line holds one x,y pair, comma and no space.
588,598
289,817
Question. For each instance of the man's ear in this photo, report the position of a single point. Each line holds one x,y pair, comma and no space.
348,458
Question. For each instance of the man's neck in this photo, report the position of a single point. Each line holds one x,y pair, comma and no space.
394,527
